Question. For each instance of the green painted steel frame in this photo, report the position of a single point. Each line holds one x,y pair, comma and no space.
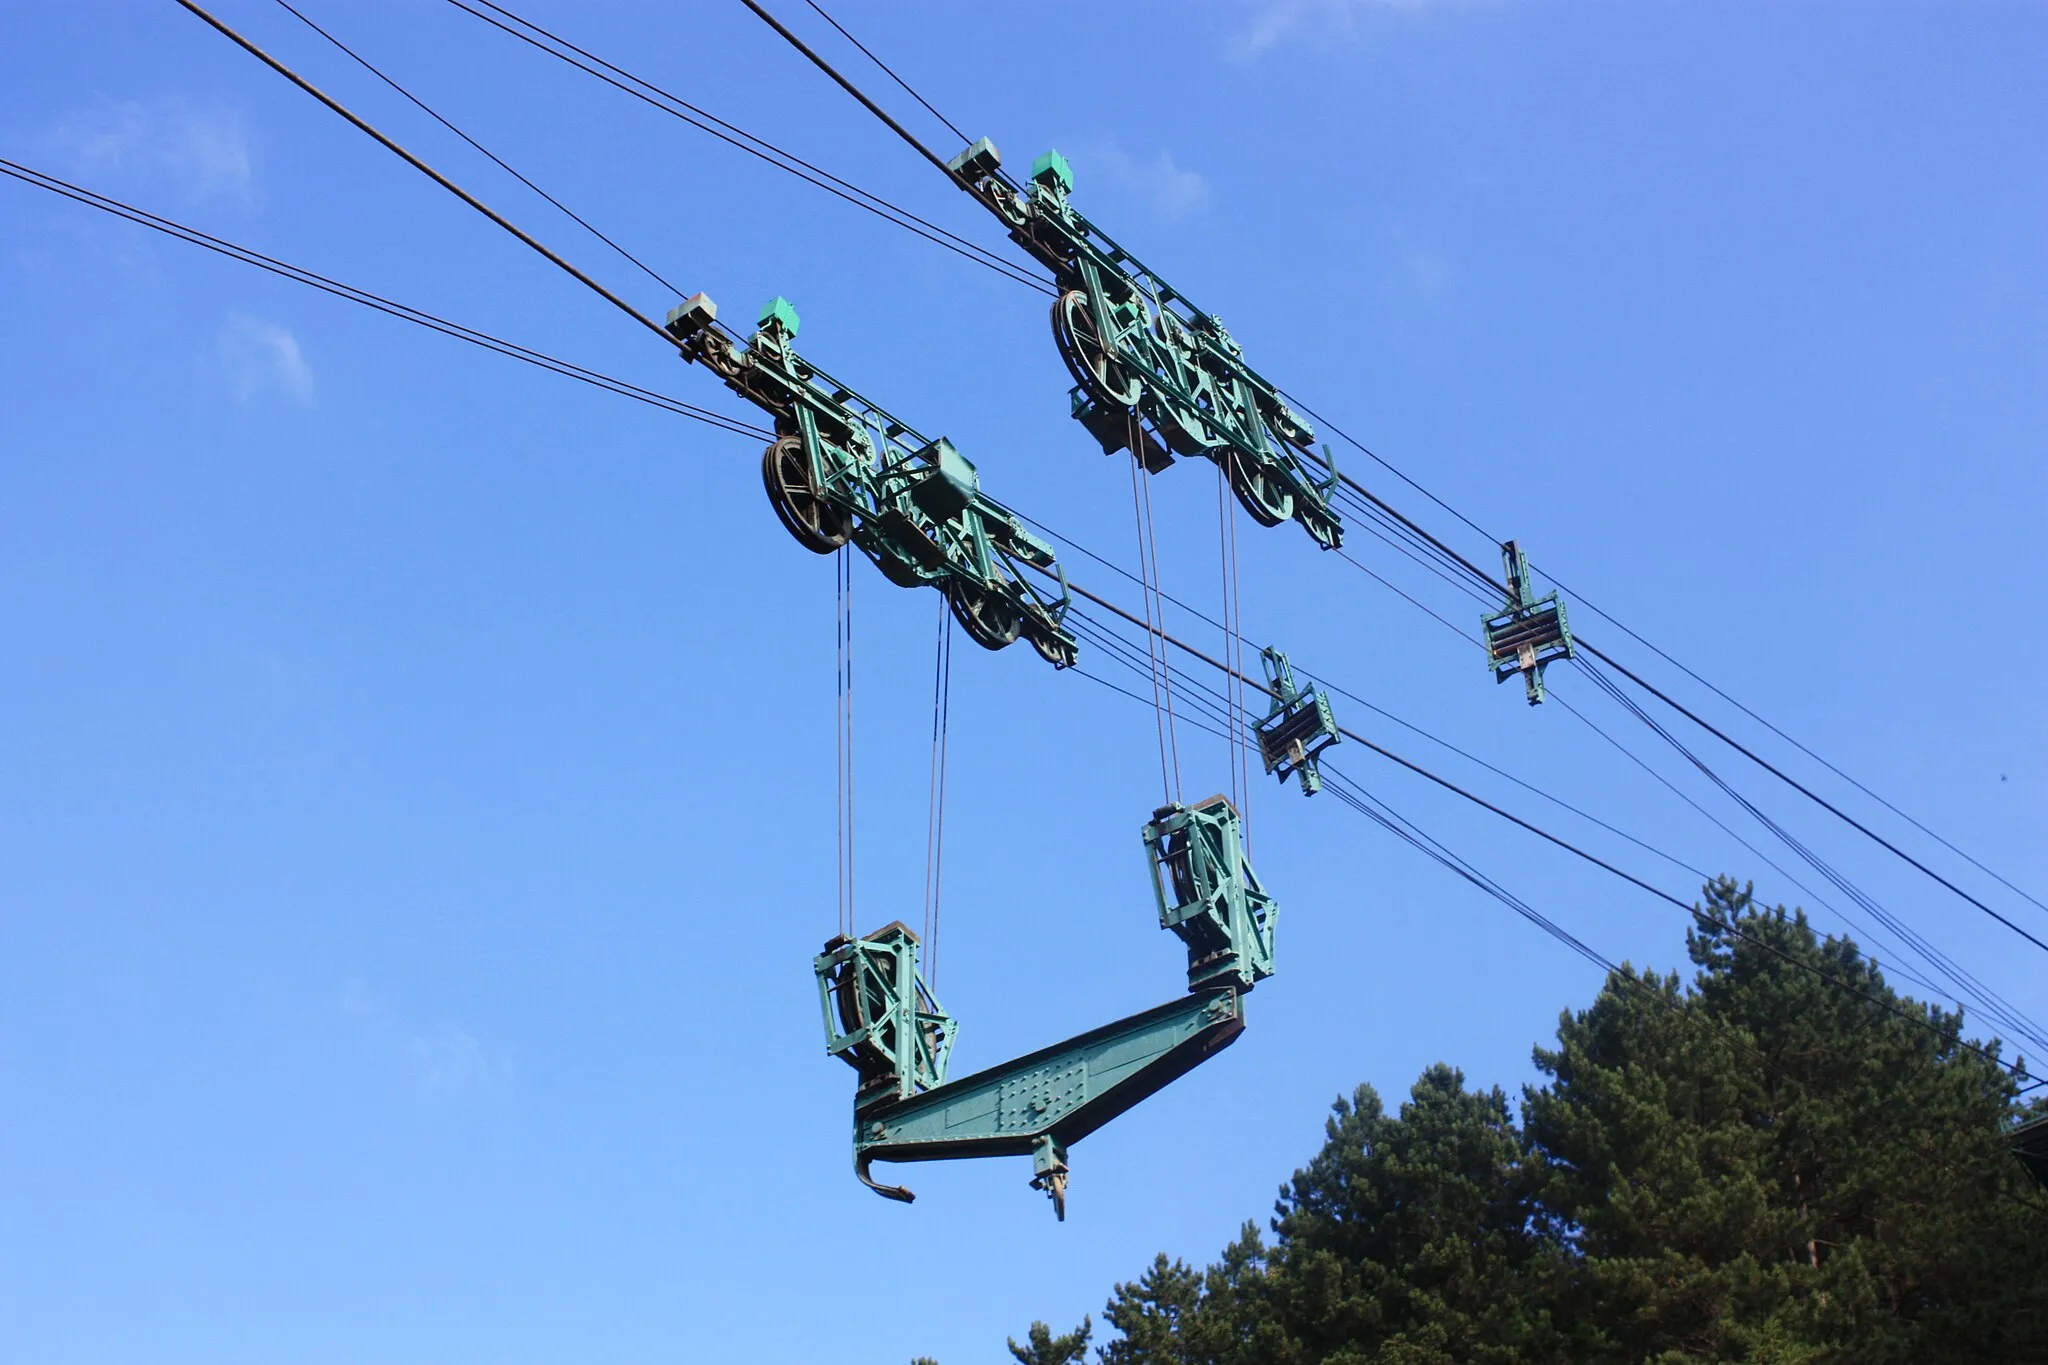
1041,1103
1164,360
914,505
1208,894
1298,727
883,1020
1533,632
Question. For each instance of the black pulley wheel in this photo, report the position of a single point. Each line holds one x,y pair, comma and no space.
819,525
1260,493
1106,378
987,617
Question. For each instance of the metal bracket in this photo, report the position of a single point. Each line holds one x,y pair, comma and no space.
1298,727
1531,633
1208,894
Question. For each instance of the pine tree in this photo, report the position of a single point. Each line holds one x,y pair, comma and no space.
1769,1164
1043,1348
1772,1167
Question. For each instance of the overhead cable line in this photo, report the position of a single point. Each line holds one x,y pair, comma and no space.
1681,667
1480,801
1807,792
443,181
1965,982
1479,575
1465,869
889,71
403,312
1324,680
425,108
1755,852
703,120
850,88
669,341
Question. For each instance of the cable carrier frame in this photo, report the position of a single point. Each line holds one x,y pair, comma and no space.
1152,373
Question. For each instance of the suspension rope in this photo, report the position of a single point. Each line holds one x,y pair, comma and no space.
1594,607
1233,645
403,312
703,120
1811,795
843,582
655,328
1965,984
935,818
1479,576
889,71
1755,852
850,88
580,221
443,181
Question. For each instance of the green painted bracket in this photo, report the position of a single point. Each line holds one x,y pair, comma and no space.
1040,1104
1532,633
1298,727
1208,894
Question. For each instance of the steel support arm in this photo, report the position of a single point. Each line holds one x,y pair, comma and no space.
1040,1103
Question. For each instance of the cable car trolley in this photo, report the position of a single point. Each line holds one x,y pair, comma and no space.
1531,633
883,1021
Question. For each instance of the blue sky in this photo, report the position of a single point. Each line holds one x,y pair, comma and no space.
418,798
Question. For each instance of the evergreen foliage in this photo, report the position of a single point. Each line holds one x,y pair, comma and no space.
1043,1348
1759,1167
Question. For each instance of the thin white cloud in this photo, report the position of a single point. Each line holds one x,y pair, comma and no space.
449,1062
1167,188
443,1065
1274,22
259,356
200,151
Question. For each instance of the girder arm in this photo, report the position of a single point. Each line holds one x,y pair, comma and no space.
1041,1103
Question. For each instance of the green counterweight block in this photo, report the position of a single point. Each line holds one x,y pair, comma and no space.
1298,727
1531,633
1209,895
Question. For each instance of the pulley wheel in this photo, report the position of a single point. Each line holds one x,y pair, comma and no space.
819,525
988,618
1106,378
854,1013
1051,648
1260,492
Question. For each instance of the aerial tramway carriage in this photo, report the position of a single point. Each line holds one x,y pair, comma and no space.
884,1021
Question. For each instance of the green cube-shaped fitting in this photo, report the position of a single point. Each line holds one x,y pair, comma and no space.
949,482
779,312
982,159
1054,172
692,315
